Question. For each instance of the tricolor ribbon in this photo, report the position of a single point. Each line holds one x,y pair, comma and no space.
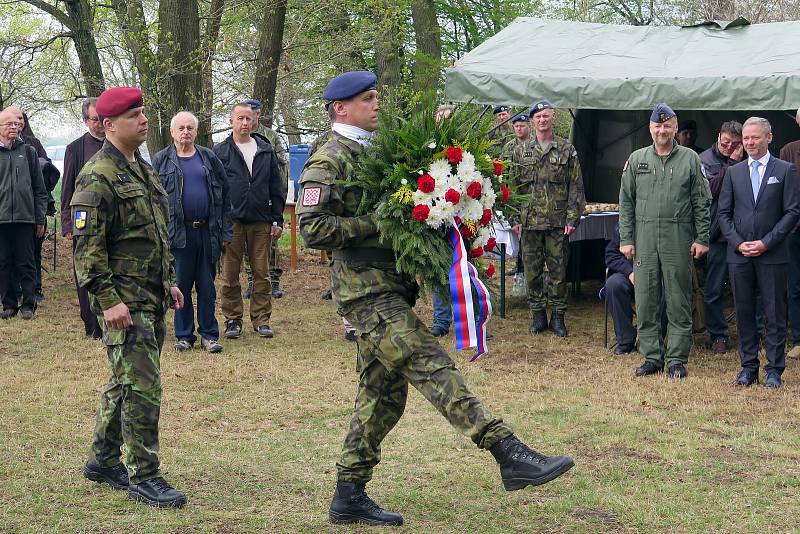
470,330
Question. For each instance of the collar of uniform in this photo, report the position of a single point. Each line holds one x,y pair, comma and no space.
353,145
675,145
359,135
120,160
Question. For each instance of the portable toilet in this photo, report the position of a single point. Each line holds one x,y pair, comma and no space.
298,155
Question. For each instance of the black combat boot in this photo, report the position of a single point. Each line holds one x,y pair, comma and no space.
352,505
522,466
277,292
156,492
539,323
557,324
116,476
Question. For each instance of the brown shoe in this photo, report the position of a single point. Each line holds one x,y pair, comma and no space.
719,345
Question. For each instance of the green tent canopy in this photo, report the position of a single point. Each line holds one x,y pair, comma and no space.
710,66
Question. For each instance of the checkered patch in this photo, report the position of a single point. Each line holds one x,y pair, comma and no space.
311,196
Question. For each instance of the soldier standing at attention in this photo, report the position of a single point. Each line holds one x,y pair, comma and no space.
501,131
664,219
550,173
394,347
119,227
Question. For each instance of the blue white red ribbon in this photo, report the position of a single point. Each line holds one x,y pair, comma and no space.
470,315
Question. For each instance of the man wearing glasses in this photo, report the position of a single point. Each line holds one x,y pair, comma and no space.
23,203
76,155
715,161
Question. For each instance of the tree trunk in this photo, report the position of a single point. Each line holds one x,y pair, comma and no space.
388,47
82,36
427,33
211,38
270,46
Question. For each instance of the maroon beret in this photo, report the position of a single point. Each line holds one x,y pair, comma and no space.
117,100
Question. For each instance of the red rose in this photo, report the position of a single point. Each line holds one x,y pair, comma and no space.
490,270
452,196
498,167
504,193
453,154
476,252
421,212
466,232
490,244
426,183
474,190
486,218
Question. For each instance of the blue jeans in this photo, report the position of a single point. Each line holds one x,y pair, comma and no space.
193,268
442,307
794,286
716,276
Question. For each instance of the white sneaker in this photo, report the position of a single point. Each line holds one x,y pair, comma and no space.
211,345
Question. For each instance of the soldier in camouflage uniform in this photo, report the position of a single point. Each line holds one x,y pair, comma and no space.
548,170
394,347
501,132
119,215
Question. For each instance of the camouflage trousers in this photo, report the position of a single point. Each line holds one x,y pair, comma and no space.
131,403
396,352
549,248
275,271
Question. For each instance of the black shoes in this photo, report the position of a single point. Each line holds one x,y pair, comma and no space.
350,336
557,324
539,322
438,331
156,492
773,380
116,477
26,313
277,292
8,313
233,329
352,505
328,295
619,350
746,377
677,371
522,466
264,331
648,368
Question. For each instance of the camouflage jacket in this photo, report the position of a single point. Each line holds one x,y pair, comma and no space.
277,145
119,219
551,175
501,137
362,266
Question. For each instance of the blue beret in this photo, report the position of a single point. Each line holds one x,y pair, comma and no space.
688,124
499,109
661,113
520,117
255,104
117,100
348,85
540,105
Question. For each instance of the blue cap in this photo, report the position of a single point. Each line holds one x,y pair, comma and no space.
541,105
688,124
520,117
661,113
348,85
255,104
500,109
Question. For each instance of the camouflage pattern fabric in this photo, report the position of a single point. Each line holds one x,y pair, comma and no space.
394,347
131,403
551,175
119,215
501,136
664,208
549,248
277,145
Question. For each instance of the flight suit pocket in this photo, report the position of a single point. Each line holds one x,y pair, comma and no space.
645,181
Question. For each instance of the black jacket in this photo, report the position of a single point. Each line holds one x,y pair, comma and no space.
168,168
615,260
259,197
23,197
714,165
770,219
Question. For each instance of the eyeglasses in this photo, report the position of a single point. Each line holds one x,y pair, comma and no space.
93,119
727,144
13,124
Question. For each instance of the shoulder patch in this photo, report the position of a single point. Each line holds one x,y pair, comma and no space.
79,219
311,196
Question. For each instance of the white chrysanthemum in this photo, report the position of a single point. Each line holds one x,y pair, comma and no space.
440,213
467,165
440,169
488,198
422,198
470,208
482,238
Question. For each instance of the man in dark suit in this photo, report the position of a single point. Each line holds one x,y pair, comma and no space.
759,206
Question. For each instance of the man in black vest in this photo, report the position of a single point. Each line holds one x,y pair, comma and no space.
76,155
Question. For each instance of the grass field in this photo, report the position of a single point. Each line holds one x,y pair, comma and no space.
252,434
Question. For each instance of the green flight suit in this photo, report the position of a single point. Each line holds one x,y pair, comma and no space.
119,214
550,175
663,209
394,347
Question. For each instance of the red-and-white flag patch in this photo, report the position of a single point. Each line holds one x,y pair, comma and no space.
311,196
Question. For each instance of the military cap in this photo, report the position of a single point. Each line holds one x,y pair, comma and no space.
520,117
541,105
117,100
661,113
348,85
500,109
688,124
255,104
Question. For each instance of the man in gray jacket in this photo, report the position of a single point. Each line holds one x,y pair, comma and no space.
23,204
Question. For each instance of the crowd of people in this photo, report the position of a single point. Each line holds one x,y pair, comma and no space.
145,237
